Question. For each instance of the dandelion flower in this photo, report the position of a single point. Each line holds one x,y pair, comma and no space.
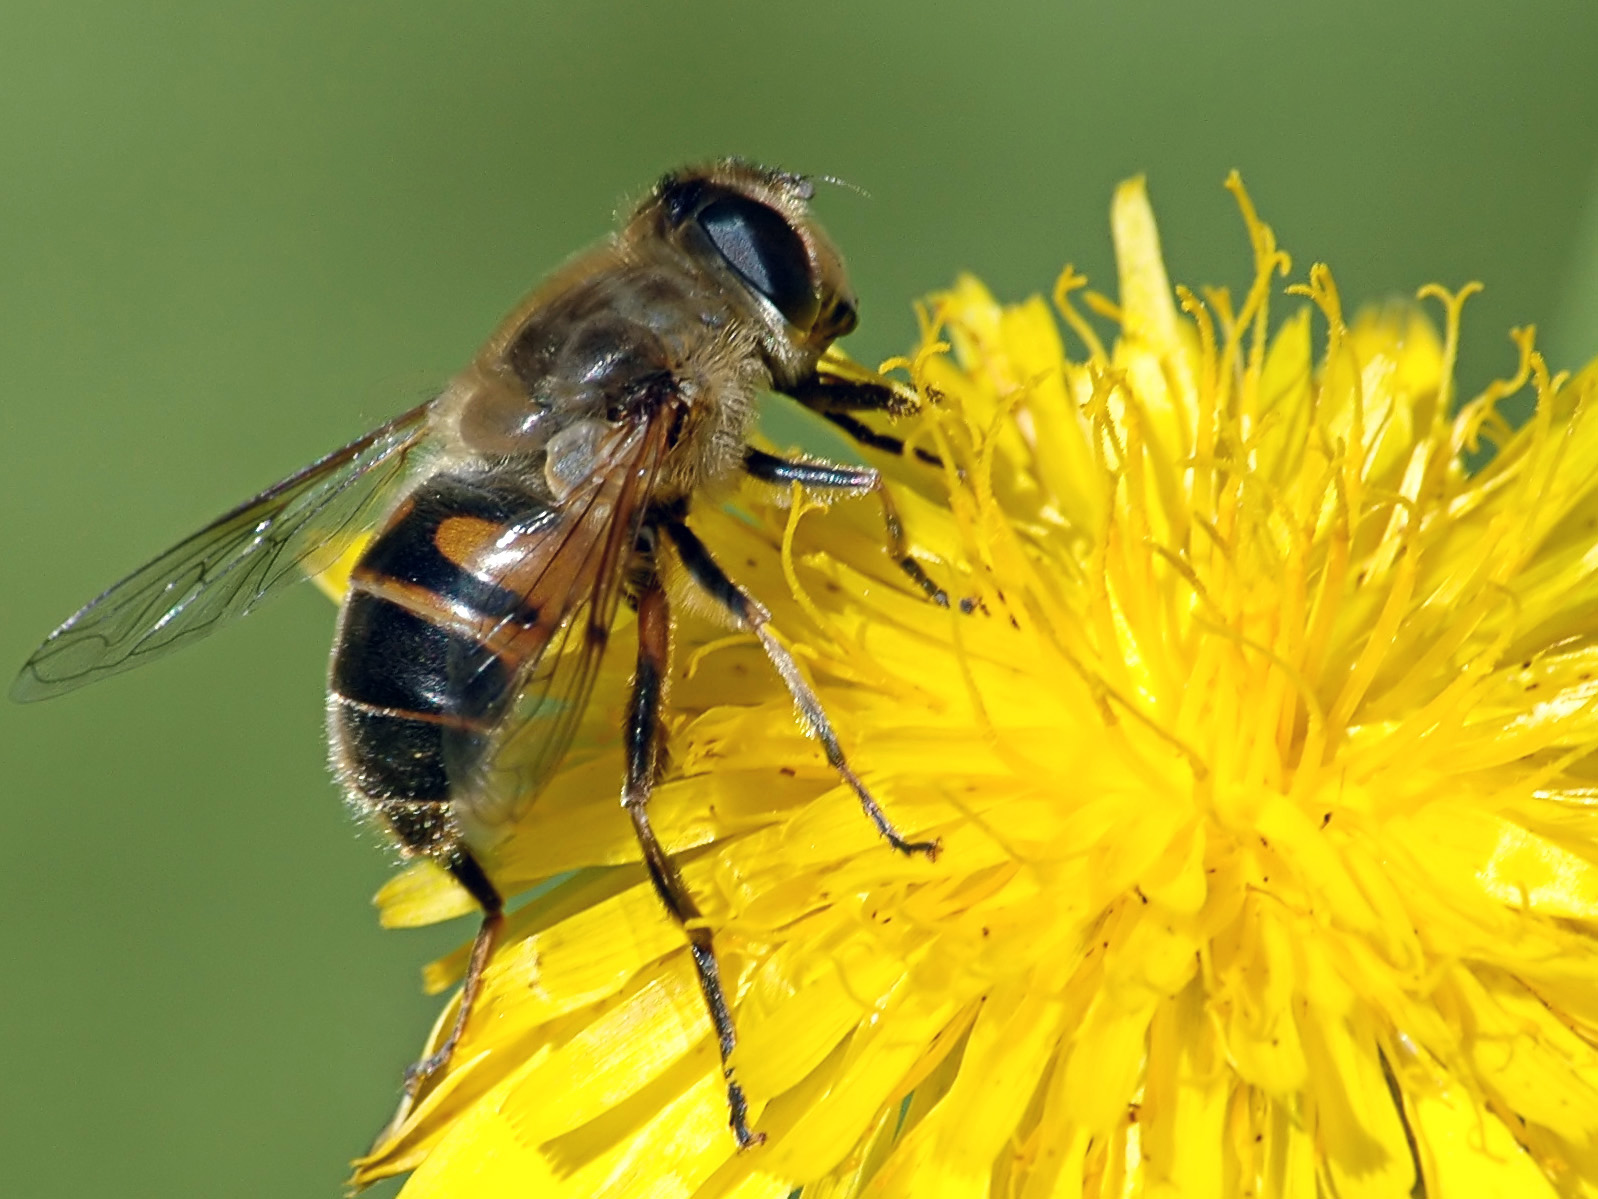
1263,769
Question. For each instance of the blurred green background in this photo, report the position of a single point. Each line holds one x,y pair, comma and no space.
233,236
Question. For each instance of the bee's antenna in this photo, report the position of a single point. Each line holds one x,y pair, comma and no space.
846,185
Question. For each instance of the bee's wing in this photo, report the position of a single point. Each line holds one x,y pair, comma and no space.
229,566
570,571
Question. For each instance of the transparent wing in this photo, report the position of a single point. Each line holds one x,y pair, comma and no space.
228,567
570,572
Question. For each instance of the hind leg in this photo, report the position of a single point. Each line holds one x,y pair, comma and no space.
642,747
422,830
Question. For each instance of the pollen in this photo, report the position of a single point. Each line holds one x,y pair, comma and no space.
1260,753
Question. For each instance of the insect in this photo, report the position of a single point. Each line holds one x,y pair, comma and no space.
514,511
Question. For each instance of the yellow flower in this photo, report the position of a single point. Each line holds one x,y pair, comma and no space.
1263,772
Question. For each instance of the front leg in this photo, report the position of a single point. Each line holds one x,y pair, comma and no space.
838,388
851,480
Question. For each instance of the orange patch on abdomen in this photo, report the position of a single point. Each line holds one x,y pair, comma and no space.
461,539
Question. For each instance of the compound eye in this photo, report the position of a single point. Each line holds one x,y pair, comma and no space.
762,247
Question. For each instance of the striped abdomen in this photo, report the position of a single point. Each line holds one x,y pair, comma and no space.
416,688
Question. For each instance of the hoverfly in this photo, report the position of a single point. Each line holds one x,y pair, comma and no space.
515,510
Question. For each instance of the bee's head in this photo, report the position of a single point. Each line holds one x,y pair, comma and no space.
751,229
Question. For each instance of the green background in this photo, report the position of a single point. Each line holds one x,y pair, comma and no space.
233,236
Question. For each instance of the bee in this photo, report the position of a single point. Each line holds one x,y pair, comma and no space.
511,515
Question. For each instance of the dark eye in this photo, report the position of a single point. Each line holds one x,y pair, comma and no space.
765,250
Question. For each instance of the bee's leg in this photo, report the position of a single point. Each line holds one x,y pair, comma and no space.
469,873
859,431
744,608
835,397
642,737
855,480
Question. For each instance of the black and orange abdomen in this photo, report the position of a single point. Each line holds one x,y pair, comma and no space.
416,686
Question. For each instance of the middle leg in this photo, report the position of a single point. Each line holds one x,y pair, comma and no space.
706,572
